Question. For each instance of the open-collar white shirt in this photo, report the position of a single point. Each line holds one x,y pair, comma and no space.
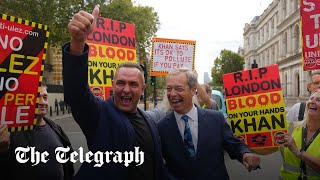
193,123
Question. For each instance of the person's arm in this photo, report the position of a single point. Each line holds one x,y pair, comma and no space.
251,161
204,96
80,26
238,150
232,145
311,161
4,139
4,152
84,105
293,113
156,114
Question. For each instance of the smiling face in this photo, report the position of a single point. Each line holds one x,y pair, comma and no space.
128,85
43,103
313,105
179,93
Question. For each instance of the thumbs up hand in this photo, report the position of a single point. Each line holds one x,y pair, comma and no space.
80,26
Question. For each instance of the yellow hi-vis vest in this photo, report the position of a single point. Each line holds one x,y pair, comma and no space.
291,164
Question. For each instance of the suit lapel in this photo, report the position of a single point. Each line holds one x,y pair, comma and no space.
174,131
153,129
202,133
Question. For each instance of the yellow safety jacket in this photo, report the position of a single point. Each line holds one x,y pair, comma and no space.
290,169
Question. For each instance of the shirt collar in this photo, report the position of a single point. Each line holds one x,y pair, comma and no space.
192,114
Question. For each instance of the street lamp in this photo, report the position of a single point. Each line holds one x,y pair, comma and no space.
254,64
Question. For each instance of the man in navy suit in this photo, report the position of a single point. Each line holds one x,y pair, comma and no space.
194,139
114,125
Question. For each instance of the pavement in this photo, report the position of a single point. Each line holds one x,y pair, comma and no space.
60,116
140,105
270,164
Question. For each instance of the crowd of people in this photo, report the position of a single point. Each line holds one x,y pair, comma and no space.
183,139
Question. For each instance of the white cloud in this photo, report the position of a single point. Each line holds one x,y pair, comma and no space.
214,24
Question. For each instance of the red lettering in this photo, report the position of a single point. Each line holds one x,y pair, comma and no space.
121,54
92,51
112,55
100,52
275,98
232,104
130,55
251,101
263,100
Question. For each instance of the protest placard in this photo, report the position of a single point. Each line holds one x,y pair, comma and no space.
256,111
22,53
111,43
310,14
169,54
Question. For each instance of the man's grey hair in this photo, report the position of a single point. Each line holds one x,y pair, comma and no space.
192,78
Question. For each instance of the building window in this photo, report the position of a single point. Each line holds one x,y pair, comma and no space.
267,31
295,5
285,85
284,44
272,27
262,35
297,85
284,8
296,38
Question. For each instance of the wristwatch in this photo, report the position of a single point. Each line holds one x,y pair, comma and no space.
298,152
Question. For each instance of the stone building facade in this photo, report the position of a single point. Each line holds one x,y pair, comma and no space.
274,38
53,67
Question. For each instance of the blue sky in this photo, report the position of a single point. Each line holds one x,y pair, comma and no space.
215,24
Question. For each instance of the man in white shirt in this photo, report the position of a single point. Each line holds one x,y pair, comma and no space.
193,139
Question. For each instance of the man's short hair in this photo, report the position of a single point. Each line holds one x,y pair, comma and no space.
131,65
191,77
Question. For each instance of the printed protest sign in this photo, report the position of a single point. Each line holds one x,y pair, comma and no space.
22,53
111,43
310,14
256,112
169,54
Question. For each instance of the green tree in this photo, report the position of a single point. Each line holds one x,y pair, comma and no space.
160,84
227,62
146,22
54,13
145,19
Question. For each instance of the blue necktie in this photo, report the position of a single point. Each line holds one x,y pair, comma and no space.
188,144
